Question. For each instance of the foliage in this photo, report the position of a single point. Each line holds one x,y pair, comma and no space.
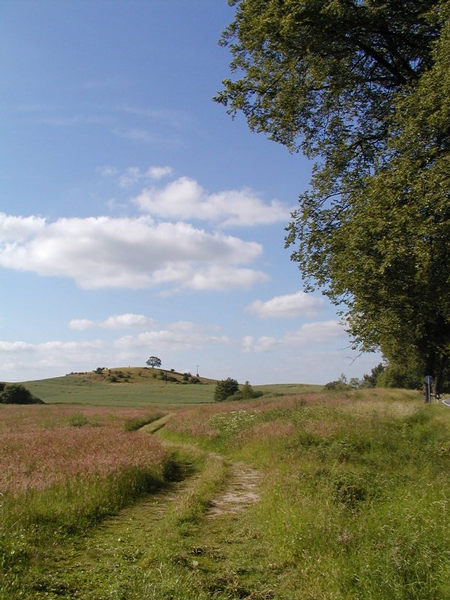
354,484
246,392
339,385
371,380
364,89
16,393
225,388
153,361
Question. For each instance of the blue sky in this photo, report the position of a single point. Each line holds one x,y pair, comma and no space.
136,217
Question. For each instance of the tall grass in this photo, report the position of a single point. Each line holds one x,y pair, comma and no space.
356,493
62,472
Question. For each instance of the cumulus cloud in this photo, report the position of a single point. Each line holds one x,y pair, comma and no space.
185,199
81,324
133,175
101,252
56,357
16,229
287,306
113,322
183,335
317,332
260,344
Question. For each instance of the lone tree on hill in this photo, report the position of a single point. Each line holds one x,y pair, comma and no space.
361,87
154,361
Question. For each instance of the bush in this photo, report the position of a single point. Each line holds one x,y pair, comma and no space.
78,420
18,394
246,393
225,389
339,385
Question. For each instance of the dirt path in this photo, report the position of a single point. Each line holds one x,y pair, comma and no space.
240,493
179,543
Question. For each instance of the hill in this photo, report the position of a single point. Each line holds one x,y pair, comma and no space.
139,386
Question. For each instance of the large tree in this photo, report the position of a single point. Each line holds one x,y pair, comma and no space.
362,87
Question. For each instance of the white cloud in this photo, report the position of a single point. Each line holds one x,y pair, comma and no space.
260,344
185,199
133,175
81,324
287,306
101,252
16,229
183,335
114,322
225,278
126,320
316,333
49,359
159,172
56,357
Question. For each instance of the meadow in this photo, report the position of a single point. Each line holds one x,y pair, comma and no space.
138,386
352,503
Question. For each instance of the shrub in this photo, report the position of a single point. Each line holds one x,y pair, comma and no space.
339,385
18,394
78,420
225,389
246,393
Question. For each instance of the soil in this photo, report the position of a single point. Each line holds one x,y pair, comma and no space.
240,492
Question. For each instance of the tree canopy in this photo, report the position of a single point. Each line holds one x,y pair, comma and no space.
225,388
363,88
153,361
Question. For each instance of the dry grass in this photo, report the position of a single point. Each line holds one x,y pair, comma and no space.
45,445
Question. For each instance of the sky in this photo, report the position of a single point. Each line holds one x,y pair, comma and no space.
136,217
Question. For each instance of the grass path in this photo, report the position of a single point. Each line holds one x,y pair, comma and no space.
191,541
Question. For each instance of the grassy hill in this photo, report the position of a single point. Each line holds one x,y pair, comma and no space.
138,386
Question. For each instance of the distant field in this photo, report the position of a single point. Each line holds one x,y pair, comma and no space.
138,387
285,389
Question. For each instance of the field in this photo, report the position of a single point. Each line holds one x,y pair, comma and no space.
137,387
313,496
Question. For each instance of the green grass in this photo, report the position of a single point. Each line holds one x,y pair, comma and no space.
286,389
353,506
139,391
137,386
355,502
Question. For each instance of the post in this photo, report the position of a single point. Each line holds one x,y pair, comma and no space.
428,380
